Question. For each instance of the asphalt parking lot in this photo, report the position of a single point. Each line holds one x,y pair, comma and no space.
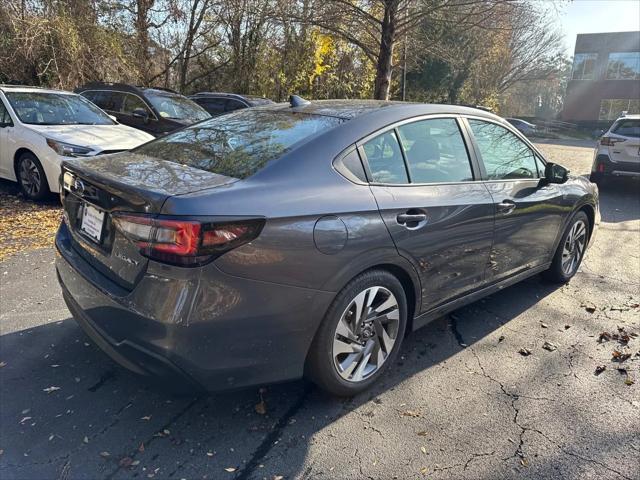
462,402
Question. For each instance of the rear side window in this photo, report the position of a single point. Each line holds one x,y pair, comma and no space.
238,144
504,155
215,106
435,151
385,159
627,128
233,105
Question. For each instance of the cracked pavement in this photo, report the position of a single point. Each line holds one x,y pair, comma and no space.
461,401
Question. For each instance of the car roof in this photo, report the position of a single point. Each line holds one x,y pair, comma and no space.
629,117
27,88
349,109
237,96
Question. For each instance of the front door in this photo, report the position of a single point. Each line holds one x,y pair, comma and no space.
6,126
528,212
439,217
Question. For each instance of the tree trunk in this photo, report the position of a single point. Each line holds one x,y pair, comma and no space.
384,67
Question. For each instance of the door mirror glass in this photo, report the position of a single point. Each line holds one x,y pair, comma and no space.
141,113
554,173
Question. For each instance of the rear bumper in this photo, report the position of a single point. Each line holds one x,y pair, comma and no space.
604,166
200,325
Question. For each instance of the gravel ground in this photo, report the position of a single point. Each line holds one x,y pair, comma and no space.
462,402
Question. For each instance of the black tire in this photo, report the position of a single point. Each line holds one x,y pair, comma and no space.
321,367
557,273
31,177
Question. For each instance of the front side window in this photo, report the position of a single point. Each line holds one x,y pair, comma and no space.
132,103
385,159
176,107
504,155
435,151
623,66
40,108
238,144
584,66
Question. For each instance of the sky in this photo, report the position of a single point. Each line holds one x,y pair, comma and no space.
596,16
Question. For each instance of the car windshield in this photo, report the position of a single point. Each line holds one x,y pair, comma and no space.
42,108
628,128
176,107
240,143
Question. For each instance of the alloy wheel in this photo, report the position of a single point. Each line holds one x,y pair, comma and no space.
366,334
30,177
574,247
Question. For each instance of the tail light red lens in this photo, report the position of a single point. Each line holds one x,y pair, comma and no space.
185,242
610,141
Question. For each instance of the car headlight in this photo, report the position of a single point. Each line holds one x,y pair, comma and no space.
66,149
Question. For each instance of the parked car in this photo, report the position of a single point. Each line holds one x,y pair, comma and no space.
617,153
308,238
39,128
153,110
523,126
220,103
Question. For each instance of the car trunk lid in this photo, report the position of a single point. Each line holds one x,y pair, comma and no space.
96,189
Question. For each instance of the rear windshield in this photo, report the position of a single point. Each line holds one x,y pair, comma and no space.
628,128
240,143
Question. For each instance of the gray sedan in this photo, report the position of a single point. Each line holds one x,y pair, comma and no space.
308,238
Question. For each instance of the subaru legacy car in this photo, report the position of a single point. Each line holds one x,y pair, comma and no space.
308,238
39,128
617,153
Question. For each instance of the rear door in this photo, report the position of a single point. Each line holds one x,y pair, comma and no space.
438,215
528,212
6,129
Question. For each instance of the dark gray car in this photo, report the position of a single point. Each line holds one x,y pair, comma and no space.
309,239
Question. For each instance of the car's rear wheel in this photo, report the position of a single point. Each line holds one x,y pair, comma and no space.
31,177
571,249
360,335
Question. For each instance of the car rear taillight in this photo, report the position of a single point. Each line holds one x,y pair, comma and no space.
610,141
185,242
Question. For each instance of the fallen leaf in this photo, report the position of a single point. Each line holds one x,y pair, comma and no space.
50,389
105,454
410,413
424,470
230,469
423,450
3,364
423,433
146,417
544,325
549,346
567,327
261,408
51,437
618,356
125,462
525,352
209,454
501,338
589,307
600,369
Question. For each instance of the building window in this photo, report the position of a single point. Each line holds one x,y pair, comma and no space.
623,66
584,66
612,108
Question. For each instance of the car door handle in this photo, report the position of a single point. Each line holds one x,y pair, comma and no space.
404,218
506,207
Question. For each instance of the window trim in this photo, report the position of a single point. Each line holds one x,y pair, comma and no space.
606,74
595,75
473,161
484,177
155,117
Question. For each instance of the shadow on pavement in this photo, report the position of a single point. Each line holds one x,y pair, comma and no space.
620,200
69,411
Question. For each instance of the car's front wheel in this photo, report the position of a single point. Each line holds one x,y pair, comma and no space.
31,177
360,335
571,250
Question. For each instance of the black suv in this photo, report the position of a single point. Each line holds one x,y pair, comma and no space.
155,110
219,103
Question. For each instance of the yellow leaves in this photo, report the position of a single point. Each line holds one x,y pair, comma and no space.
26,225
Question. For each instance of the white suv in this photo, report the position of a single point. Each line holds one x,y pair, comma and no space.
39,128
617,152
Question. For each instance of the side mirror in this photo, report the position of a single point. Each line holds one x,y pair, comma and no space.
141,113
554,173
